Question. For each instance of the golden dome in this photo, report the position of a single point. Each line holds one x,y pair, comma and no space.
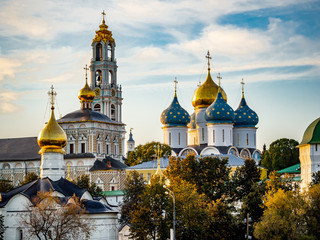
205,94
103,34
52,137
86,94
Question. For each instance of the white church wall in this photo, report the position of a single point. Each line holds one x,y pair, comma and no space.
244,137
175,137
220,134
201,125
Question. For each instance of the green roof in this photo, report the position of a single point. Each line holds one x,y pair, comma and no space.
312,133
112,193
292,169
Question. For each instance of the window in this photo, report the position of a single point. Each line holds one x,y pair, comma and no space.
230,135
113,112
107,148
222,135
98,148
316,147
98,78
115,149
238,139
97,107
179,137
169,138
71,150
112,188
202,134
83,147
213,136
109,52
247,139
99,52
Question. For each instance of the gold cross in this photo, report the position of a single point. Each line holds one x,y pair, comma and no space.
86,68
103,14
175,85
208,57
219,77
242,83
52,95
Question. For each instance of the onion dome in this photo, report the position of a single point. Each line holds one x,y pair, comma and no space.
103,34
219,111
175,115
52,137
245,116
206,93
86,94
312,133
192,123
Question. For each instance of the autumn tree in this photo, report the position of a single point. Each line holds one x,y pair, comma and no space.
84,182
51,218
282,153
31,176
147,152
313,211
5,185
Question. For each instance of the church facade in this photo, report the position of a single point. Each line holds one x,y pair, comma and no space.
214,127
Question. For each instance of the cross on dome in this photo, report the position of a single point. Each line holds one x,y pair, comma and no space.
175,85
103,14
209,58
219,77
86,68
52,94
242,83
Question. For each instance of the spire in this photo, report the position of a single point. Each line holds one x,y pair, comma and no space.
103,14
209,58
219,79
52,94
242,83
86,68
175,86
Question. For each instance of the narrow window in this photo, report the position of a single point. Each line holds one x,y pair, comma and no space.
99,52
112,188
230,135
179,137
83,147
255,139
202,134
170,139
71,148
238,139
113,112
98,148
247,139
115,149
214,136
97,107
316,147
222,135
20,234
107,148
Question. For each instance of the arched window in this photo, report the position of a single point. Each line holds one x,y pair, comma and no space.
112,80
109,52
222,135
97,107
6,166
179,137
98,78
214,136
99,52
113,112
169,138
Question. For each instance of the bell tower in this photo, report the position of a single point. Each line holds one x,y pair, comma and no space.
103,69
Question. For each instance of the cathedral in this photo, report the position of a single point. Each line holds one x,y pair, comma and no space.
214,127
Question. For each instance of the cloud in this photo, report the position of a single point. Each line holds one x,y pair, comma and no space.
8,104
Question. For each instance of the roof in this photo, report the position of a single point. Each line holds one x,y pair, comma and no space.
67,188
113,193
312,133
292,169
108,163
164,162
78,155
12,149
85,115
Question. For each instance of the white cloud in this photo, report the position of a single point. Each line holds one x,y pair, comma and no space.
7,100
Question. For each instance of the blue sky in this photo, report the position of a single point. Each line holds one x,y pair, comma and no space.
274,45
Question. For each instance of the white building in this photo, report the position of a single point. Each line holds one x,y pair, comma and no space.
214,127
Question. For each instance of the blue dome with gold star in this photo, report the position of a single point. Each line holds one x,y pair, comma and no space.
219,111
175,115
245,116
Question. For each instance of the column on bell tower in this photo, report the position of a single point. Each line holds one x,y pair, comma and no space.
104,74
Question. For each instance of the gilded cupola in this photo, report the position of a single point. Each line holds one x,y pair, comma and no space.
244,116
175,115
86,94
206,93
103,34
52,137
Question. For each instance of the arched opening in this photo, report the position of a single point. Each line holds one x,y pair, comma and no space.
113,112
245,154
6,166
112,80
99,52
98,78
97,107
109,52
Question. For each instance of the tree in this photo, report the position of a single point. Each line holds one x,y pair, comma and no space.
313,211
315,178
84,182
282,153
144,153
50,218
134,187
31,176
5,185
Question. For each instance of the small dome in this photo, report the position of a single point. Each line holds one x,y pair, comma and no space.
86,94
219,111
52,137
175,115
192,123
245,116
312,133
205,94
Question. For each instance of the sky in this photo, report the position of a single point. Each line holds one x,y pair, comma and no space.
273,45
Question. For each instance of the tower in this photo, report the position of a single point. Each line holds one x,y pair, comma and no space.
51,140
175,120
130,143
103,69
245,121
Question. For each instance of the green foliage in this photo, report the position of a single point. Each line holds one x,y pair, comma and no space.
134,187
31,176
146,152
282,153
2,227
313,211
5,185
84,182
277,182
